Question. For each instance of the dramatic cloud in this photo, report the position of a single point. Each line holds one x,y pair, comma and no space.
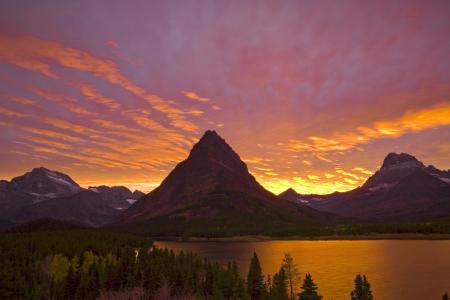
30,53
312,95
413,121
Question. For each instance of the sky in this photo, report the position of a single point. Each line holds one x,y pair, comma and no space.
311,94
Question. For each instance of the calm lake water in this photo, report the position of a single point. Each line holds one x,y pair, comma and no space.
396,269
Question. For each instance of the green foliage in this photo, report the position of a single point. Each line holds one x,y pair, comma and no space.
279,290
362,289
88,264
255,279
309,289
59,267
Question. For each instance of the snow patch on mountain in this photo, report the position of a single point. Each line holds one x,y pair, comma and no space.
131,201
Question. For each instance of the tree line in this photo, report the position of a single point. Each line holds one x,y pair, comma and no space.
90,264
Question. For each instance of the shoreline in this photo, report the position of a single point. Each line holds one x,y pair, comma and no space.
261,238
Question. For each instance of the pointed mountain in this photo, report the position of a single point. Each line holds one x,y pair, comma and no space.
290,194
403,189
213,190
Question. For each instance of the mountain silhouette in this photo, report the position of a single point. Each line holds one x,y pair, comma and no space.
47,194
213,187
404,189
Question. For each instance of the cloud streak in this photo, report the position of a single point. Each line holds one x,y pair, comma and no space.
412,121
30,53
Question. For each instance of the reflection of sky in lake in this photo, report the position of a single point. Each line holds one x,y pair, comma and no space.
396,269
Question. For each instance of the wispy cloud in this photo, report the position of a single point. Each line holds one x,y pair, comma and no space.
33,54
92,94
362,170
194,96
69,103
11,113
19,100
413,121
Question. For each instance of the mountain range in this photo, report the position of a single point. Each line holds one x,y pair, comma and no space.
43,193
212,192
403,189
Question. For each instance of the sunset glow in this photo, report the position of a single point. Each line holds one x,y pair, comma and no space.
312,100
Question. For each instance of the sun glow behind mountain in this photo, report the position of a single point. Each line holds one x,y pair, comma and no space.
311,99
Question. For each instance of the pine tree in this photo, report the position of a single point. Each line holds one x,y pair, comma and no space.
292,274
309,289
362,289
255,279
278,290
239,292
445,297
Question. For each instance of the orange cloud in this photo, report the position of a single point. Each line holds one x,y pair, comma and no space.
196,112
13,53
413,121
65,101
11,113
194,96
92,94
306,162
362,170
47,142
43,132
20,100
32,53
348,174
61,124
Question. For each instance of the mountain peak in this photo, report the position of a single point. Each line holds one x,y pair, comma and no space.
210,139
42,181
289,191
40,169
211,167
213,149
289,194
211,134
394,160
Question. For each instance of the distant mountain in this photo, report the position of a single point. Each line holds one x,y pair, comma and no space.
43,193
46,183
118,197
86,208
403,189
212,190
291,195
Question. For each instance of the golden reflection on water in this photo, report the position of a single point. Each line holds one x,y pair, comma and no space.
395,269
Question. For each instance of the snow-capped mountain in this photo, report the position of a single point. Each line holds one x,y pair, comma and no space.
44,193
403,188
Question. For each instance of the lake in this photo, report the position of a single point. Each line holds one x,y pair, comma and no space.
396,269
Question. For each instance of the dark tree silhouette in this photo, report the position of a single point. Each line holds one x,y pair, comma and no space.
279,290
309,290
255,279
362,289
